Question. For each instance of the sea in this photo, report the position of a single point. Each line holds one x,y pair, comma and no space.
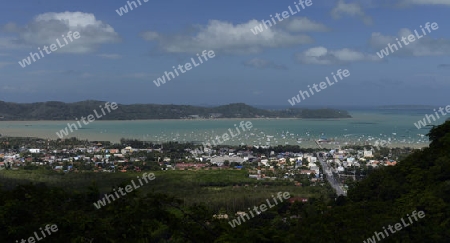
367,126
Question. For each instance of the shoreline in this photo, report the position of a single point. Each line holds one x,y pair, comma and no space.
306,145
266,131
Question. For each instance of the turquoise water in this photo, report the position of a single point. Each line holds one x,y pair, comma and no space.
396,127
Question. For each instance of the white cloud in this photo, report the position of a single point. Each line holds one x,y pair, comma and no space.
322,56
304,24
10,27
425,46
263,64
45,28
225,37
149,35
350,9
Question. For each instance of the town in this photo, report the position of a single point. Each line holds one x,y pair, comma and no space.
302,167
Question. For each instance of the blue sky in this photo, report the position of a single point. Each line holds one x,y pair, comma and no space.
117,57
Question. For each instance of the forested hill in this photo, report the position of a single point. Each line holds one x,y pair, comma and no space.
421,182
54,110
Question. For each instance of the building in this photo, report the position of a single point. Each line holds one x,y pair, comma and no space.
368,154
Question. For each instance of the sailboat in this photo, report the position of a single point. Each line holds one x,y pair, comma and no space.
323,139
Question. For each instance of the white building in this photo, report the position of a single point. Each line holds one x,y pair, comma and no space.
368,154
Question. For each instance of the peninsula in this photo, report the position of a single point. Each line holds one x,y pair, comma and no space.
55,110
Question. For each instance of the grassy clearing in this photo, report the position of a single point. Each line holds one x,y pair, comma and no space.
228,189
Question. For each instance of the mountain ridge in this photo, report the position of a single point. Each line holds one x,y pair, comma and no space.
57,110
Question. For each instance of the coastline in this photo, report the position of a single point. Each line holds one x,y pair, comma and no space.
363,127
306,145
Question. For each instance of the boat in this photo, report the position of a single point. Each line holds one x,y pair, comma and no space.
323,139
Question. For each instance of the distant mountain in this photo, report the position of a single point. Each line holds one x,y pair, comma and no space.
54,110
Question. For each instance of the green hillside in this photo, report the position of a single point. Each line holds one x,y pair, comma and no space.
54,110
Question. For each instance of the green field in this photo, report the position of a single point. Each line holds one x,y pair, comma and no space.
228,189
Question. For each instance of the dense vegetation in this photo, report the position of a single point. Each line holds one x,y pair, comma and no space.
419,182
54,110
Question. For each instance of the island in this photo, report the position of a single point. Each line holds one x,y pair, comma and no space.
55,110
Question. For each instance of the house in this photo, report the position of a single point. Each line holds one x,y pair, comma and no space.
390,163
265,162
368,154
281,161
114,151
220,216
307,172
373,163
310,164
315,169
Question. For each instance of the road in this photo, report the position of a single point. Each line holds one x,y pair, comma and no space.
333,182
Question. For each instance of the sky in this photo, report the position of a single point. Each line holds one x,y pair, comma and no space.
118,56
